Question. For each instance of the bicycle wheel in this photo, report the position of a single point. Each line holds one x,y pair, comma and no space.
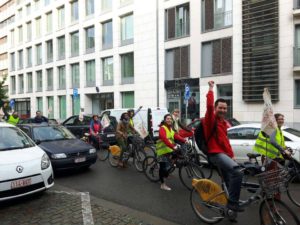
187,173
204,211
294,189
206,167
276,212
113,160
103,154
138,160
149,150
151,168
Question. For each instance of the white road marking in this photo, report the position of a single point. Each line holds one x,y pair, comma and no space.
87,214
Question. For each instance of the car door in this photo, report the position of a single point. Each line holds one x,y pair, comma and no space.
77,127
242,141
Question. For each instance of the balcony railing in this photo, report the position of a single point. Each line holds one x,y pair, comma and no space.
296,56
223,19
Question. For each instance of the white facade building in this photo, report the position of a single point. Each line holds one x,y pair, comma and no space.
127,53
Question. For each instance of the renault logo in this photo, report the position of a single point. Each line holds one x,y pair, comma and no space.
19,169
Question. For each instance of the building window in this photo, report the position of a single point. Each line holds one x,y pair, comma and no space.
76,105
178,63
12,62
90,73
38,31
128,99
127,29
62,107
108,70
39,81
50,110
127,68
47,2
29,83
28,9
61,17
12,38
297,93
49,79
20,12
29,31
107,35
216,14
37,5
106,5
49,45
20,57
39,54
21,84
217,57
124,2
29,57
75,44
20,32
297,46
61,48
39,104
75,75
74,11
61,77
177,22
13,85
49,22
90,39
89,7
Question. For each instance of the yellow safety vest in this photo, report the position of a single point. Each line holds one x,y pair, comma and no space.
131,122
161,147
13,121
263,145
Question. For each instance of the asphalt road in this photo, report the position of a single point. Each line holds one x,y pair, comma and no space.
132,189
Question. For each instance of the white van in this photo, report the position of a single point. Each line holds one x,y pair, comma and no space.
151,117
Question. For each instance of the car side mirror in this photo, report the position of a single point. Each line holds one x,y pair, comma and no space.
37,142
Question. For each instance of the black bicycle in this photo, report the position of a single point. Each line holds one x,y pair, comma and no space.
102,147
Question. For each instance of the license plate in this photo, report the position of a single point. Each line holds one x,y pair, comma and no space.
20,183
110,135
79,160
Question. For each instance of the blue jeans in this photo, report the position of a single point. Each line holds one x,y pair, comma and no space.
231,173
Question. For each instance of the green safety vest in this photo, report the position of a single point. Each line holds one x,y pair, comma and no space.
263,145
161,147
13,121
131,122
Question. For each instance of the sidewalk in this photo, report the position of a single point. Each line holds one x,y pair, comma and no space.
62,206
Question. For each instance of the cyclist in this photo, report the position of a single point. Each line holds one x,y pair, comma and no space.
95,129
164,147
124,129
220,152
178,127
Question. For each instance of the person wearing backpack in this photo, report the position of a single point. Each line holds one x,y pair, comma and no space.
219,150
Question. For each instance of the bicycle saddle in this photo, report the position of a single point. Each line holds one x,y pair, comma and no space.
253,155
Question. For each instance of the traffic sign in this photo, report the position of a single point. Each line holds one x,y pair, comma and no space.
187,93
75,92
12,103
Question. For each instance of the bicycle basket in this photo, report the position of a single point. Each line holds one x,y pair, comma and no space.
115,150
274,181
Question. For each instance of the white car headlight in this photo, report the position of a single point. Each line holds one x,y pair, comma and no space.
45,162
92,151
59,156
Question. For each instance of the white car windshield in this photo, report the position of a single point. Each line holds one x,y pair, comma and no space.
12,138
293,131
51,133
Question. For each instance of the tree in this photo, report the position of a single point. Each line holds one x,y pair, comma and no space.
3,92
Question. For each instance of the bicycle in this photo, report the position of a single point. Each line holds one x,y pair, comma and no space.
208,195
134,150
102,148
187,169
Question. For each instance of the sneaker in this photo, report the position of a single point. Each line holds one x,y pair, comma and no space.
165,187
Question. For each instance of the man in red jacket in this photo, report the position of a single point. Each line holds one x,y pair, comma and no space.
219,150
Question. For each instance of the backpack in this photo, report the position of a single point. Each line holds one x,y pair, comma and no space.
200,139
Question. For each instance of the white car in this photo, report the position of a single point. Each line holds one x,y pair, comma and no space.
242,139
24,167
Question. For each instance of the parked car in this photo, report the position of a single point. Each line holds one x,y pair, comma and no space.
31,120
63,148
151,117
24,167
79,128
231,122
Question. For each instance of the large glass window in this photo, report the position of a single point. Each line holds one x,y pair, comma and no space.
49,79
29,82
39,104
62,77
39,81
108,70
20,32
75,44
76,105
74,11
75,75
29,31
49,45
127,29
13,84
39,54
50,101
90,73
49,22
12,38
106,5
21,84
61,17
37,5
127,68
90,39
38,31
61,48
29,57
28,9
107,35
297,93
89,7
12,62
62,107
128,99
20,57
47,2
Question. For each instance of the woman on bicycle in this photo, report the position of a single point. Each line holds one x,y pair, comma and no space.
164,147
